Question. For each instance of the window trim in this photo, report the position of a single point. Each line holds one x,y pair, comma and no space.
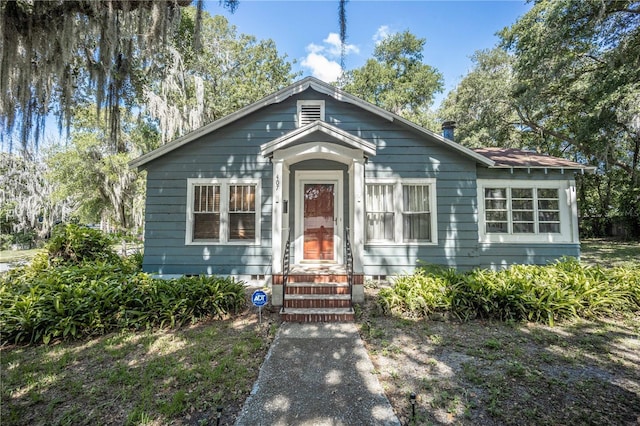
566,204
224,211
398,211
308,102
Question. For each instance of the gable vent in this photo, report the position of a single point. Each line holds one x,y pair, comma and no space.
310,111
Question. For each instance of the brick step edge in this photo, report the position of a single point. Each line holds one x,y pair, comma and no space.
324,291
317,303
317,317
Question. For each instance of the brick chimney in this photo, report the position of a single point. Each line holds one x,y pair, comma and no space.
447,129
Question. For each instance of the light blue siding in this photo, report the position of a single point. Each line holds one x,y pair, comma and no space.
234,152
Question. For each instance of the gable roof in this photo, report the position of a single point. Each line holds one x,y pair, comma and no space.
518,158
318,127
287,92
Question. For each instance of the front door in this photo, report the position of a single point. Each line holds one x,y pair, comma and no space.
319,221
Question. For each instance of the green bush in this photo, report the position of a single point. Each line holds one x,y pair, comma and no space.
565,289
73,243
79,287
73,301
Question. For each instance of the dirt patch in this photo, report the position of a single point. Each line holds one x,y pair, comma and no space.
495,373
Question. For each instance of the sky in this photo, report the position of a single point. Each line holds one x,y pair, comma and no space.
307,31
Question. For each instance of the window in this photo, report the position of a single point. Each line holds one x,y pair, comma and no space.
416,216
515,210
206,212
526,212
400,211
242,212
310,111
380,212
222,211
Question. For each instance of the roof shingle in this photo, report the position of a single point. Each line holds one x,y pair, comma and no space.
512,157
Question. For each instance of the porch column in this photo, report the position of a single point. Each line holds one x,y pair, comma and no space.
276,215
358,229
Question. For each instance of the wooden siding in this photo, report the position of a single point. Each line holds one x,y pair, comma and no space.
233,152
497,256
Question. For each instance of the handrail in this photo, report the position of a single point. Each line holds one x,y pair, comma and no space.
349,255
286,267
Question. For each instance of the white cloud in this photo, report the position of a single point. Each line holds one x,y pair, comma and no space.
335,48
321,67
323,60
383,32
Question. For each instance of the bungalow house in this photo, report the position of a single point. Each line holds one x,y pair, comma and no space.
312,187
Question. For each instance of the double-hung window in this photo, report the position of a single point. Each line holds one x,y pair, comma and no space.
222,211
380,212
525,212
400,211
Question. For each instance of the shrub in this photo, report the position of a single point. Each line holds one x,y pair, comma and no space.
99,297
73,243
565,289
78,286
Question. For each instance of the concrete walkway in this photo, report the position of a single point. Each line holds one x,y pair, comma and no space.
317,374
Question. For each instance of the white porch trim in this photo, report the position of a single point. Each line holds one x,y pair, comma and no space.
285,153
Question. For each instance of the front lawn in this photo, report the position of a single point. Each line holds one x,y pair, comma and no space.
477,372
137,378
610,253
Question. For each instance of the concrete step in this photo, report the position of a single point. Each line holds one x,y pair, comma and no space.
317,315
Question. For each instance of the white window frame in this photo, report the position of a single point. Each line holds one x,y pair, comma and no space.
309,102
567,205
224,211
398,210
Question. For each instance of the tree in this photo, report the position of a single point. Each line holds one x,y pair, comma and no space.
195,86
27,203
482,105
47,45
97,178
396,79
577,66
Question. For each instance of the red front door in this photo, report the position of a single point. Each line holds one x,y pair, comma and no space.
319,221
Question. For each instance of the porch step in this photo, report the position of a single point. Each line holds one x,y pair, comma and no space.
326,288
313,301
317,301
317,315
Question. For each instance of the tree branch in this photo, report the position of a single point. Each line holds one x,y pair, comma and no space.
563,137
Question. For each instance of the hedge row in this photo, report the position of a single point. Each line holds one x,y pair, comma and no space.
79,287
566,289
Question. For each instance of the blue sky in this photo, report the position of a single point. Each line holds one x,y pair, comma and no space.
307,31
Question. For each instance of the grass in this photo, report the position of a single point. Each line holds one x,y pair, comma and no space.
491,372
12,256
609,252
153,377
479,372
507,372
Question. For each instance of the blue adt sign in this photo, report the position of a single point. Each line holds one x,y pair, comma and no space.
259,298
